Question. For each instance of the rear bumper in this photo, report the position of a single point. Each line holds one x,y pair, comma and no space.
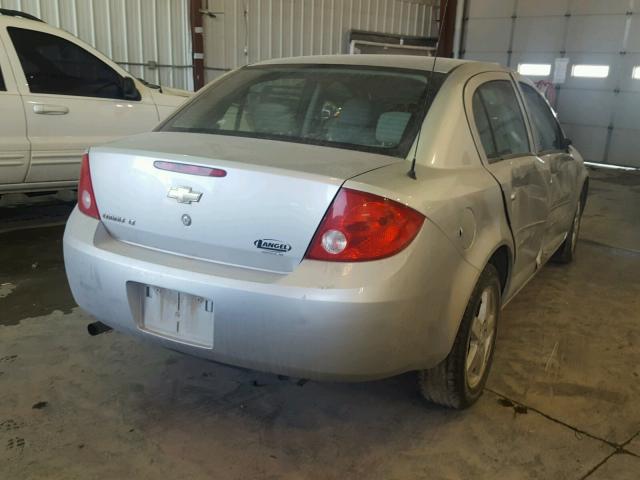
322,321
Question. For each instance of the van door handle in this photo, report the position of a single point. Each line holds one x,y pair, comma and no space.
42,109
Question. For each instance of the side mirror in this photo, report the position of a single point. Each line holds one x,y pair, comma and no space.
129,90
566,143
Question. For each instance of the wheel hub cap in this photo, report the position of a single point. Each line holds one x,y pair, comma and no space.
576,229
481,338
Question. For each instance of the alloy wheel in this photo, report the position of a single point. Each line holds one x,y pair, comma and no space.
481,337
576,228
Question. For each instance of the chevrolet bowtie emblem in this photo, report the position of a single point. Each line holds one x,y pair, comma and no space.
184,194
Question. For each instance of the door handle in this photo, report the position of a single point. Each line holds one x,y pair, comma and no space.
513,196
42,109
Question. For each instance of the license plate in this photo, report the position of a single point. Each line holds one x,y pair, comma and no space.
179,316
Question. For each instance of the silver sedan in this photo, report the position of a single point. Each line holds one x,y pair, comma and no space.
332,217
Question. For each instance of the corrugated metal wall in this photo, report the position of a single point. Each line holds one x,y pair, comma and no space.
601,115
131,32
137,32
247,31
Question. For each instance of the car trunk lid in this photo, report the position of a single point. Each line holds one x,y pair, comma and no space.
262,214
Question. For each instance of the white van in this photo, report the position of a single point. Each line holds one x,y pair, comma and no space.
58,96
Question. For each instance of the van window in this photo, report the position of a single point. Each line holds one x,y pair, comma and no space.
3,88
508,131
54,65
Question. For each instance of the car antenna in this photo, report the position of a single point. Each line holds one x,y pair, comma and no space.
412,172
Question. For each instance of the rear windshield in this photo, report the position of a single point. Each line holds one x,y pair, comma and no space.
361,108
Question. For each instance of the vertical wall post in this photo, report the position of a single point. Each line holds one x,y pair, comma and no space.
461,12
197,43
448,26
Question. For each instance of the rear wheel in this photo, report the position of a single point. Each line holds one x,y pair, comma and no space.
567,251
458,381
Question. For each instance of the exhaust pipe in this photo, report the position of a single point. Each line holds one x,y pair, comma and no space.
96,328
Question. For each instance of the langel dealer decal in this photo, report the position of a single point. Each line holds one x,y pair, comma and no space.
271,245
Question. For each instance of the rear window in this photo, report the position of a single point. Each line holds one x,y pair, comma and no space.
362,108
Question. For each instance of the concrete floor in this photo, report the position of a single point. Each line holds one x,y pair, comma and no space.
561,402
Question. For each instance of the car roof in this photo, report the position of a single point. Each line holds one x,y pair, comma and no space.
14,21
413,62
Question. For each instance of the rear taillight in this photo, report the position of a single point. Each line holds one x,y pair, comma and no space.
86,198
361,226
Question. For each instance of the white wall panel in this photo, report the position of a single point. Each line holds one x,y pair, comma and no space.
528,8
633,38
595,34
247,31
626,108
608,83
625,145
591,141
538,34
532,57
601,7
586,107
488,35
627,82
491,8
131,32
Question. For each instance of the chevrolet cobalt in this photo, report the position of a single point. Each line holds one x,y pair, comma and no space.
331,217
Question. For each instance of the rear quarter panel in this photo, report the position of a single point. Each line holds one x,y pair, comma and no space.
457,195
453,189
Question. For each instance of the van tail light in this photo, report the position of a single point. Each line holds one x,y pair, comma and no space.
360,226
86,198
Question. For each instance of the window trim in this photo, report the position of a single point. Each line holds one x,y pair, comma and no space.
525,121
532,125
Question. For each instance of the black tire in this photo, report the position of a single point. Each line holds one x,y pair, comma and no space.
567,251
448,383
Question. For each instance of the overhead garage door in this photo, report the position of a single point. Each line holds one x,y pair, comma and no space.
599,100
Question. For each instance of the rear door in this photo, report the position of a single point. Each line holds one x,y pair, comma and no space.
14,146
548,141
72,99
500,130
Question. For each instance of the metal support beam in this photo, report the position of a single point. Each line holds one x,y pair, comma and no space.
447,22
197,43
